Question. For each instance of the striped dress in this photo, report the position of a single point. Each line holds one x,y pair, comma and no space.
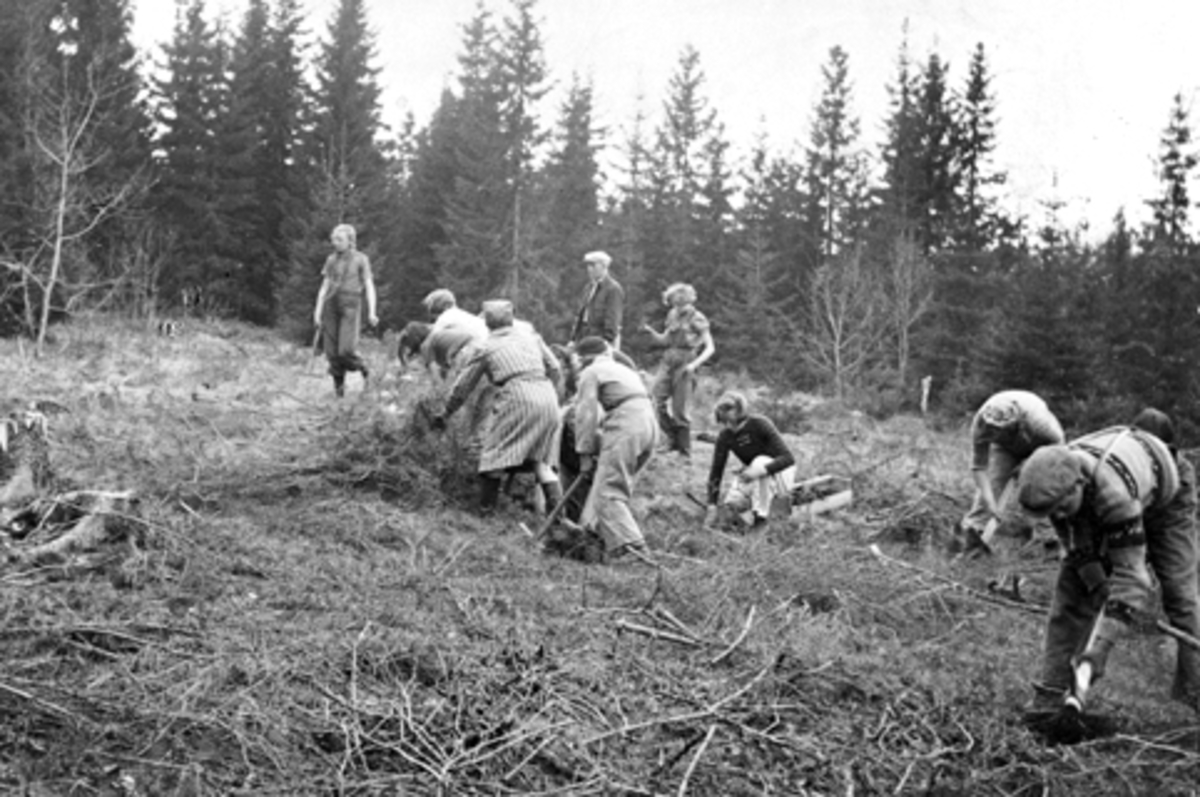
524,417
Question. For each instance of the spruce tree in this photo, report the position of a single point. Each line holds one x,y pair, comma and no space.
979,225
569,203
690,210
476,256
192,99
267,102
836,166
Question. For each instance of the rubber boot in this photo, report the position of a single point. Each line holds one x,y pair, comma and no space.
489,495
683,441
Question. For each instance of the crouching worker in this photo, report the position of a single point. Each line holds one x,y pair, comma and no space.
770,467
1010,426
615,434
1097,492
522,430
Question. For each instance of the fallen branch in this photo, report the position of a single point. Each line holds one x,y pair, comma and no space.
745,630
1030,608
687,776
656,633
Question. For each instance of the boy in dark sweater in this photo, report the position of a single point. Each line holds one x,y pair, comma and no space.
769,470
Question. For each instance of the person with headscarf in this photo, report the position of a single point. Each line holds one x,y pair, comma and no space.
346,282
1005,430
1173,552
768,465
687,344
523,424
615,433
1098,491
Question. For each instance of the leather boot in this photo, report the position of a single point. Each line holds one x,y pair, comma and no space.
489,494
339,386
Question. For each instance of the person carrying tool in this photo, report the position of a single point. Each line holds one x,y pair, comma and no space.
615,434
1005,430
769,466
1098,492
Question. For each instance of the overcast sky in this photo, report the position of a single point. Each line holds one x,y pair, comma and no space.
1084,87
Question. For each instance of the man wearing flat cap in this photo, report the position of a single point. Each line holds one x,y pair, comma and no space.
1098,492
603,300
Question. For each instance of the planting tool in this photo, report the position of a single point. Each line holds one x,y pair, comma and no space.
1145,620
559,507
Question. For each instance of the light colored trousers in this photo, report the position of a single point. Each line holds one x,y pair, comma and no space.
627,439
757,495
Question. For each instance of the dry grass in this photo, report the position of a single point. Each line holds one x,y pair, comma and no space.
313,612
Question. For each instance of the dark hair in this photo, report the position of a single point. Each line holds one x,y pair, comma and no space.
1157,423
411,338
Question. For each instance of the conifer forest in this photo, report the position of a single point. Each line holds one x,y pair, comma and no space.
205,178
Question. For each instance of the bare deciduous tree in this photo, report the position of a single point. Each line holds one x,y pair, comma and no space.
909,292
60,126
846,323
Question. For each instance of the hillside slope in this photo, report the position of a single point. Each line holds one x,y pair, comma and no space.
307,607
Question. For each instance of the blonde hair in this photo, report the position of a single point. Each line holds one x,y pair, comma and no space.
679,288
351,233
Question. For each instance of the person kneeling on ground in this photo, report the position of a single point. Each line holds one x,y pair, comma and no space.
615,434
770,467
523,425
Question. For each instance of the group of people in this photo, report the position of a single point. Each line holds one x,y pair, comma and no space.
1122,505
584,411
1121,502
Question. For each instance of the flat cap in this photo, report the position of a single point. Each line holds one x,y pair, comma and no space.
597,257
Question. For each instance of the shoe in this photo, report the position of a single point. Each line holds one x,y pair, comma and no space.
974,546
760,522
636,550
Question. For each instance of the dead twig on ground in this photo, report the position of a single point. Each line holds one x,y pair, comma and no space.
734,645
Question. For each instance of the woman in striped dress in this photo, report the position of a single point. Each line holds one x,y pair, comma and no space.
523,427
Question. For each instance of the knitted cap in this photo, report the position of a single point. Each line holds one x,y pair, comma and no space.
1048,476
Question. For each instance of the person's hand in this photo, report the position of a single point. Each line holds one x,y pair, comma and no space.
587,463
317,319
372,319
753,472
710,517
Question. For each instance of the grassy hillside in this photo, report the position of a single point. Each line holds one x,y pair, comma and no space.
309,608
